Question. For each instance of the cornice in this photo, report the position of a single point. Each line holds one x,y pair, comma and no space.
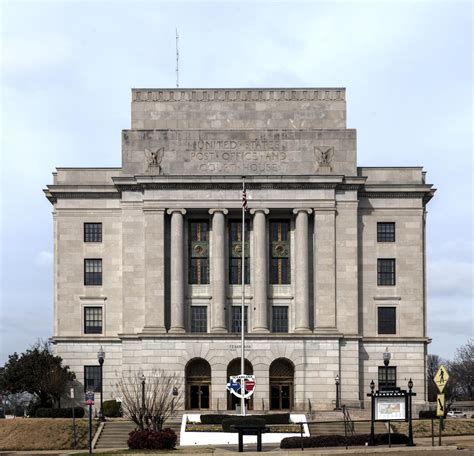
238,95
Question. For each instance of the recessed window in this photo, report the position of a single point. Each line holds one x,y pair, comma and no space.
92,232
279,319
198,319
92,271
92,320
387,318
385,232
385,271
387,378
198,252
235,253
237,319
92,378
279,252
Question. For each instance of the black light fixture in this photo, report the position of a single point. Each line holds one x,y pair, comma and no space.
386,361
410,415
337,382
101,358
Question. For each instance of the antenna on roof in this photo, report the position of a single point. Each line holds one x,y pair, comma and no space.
177,60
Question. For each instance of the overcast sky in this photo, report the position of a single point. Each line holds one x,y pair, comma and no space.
67,71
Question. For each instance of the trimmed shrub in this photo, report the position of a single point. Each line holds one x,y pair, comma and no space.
340,440
112,408
59,412
273,418
427,414
152,440
249,421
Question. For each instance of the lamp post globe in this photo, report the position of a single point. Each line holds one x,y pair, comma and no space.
101,358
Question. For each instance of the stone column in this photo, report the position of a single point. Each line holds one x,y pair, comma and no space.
177,270
260,283
154,270
325,269
218,271
301,270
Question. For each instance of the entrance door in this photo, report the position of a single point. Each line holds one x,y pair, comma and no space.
198,396
281,396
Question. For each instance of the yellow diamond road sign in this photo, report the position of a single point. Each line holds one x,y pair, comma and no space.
441,378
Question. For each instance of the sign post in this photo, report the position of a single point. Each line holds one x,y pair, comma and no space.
440,379
74,443
90,403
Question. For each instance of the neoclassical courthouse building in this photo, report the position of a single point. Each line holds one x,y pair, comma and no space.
148,256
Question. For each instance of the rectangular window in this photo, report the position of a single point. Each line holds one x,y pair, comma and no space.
92,232
198,319
385,232
92,378
93,271
385,271
237,319
198,252
387,378
235,253
92,320
280,319
387,320
280,252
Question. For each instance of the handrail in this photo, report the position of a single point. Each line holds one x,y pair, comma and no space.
348,423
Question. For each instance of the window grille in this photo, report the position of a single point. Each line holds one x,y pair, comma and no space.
280,319
237,319
385,271
198,252
279,252
385,232
198,319
387,377
235,253
387,320
92,378
92,232
92,320
93,271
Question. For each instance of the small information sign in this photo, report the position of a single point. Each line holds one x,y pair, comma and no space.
390,408
90,397
440,405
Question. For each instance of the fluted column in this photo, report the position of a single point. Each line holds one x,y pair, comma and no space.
154,270
260,314
301,270
325,269
177,270
218,273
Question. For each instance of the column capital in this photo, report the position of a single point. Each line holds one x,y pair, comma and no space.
218,209
170,211
302,209
259,209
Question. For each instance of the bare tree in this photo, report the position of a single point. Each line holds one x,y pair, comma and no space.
434,361
151,407
461,370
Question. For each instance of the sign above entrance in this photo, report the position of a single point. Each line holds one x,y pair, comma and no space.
235,385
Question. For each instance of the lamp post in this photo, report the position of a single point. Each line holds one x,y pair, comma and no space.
386,360
101,358
372,414
143,379
175,393
410,416
337,381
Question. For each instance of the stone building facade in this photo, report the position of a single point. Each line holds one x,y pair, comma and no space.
148,256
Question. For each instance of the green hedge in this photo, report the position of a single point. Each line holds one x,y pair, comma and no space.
112,408
272,418
340,440
427,414
59,412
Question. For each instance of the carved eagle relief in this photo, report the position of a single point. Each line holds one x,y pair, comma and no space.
154,158
324,156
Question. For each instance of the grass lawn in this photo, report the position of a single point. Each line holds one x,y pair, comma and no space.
422,428
43,433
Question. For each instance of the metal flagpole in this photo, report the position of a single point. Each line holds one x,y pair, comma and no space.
242,321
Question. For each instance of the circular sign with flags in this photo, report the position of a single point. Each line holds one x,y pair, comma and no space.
235,385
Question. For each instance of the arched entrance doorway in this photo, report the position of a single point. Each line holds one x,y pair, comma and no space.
198,384
282,376
234,369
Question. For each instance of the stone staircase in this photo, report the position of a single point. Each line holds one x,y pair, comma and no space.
337,427
115,431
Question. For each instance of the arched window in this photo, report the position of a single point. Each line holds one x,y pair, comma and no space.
198,384
282,377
